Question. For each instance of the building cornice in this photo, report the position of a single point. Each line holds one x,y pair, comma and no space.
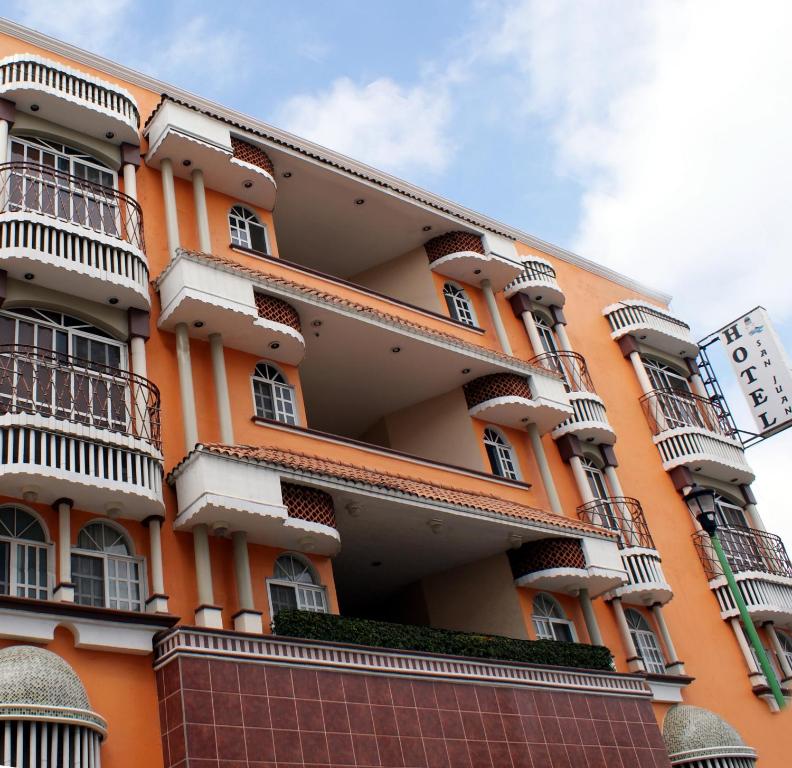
321,154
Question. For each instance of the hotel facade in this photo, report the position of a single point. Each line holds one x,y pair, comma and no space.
244,377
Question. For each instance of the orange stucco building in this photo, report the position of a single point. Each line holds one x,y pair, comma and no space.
311,386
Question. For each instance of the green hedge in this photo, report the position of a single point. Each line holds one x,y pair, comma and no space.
380,634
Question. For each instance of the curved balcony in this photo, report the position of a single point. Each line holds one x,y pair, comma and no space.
70,98
512,400
691,431
72,428
646,583
537,281
656,327
72,235
568,565
762,570
463,256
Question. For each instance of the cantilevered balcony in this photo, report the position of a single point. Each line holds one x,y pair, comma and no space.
69,97
588,421
514,401
470,257
72,428
691,431
538,282
646,583
656,327
761,568
72,235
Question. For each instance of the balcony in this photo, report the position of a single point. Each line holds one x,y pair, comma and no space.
72,428
538,282
646,583
193,140
588,421
514,401
70,98
568,565
656,327
762,570
72,235
471,258
691,431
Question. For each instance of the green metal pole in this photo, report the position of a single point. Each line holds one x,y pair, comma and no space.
750,629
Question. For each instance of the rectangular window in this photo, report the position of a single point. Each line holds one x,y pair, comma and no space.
123,584
296,596
88,578
31,571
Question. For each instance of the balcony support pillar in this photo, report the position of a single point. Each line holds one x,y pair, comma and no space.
751,509
592,627
533,332
497,320
158,600
186,386
247,619
559,328
207,614
754,673
673,665
783,661
64,589
579,473
634,662
201,215
221,388
171,215
7,118
544,469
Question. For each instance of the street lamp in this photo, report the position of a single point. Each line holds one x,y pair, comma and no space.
701,503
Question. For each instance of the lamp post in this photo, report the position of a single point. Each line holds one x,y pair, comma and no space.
701,503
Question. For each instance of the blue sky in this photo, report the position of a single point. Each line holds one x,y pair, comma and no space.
652,137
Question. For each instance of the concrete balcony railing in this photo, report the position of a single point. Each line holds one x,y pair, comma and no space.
512,400
761,568
72,428
646,582
656,327
537,281
70,98
72,235
691,431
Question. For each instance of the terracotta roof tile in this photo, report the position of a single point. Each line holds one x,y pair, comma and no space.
304,462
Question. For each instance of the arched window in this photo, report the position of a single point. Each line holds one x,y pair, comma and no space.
104,570
550,621
247,231
546,333
786,645
459,306
664,376
272,396
646,643
24,554
500,454
596,479
294,586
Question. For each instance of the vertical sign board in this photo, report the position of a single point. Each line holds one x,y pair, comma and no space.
762,368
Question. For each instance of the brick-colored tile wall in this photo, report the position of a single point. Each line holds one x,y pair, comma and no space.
229,714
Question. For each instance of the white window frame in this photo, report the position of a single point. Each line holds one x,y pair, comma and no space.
280,392
545,624
305,594
243,226
546,332
786,645
507,465
459,304
646,642
46,547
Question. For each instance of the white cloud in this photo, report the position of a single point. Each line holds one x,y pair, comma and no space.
384,124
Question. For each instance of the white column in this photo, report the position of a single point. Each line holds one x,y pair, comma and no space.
754,673
158,600
563,340
589,617
207,613
130,180
697,385
640,372
544,469
4,141
613,481
634,662
186,387
497,320
754,517
130,190
137,351
584,489
141,416
201,215
786,669
171,216
248,619
221,389
673,665
533,332
64,591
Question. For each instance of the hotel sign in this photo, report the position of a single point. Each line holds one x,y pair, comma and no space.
762,369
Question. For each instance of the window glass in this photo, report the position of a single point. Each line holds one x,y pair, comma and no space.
646,643
545,332
293,585
550,621
246,229
458,303
24,555
273,398
500,454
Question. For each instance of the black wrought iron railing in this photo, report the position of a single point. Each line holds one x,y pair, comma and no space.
622,515
571,366
670,409
746,549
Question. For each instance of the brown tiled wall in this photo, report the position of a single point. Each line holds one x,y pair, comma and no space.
226,714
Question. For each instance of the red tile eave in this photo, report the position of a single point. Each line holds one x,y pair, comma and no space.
317,465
